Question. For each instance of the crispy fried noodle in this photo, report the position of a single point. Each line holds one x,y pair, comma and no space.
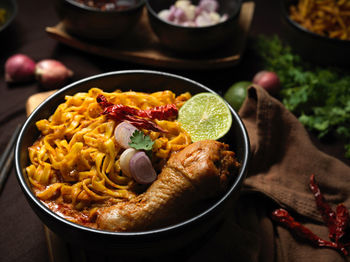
329,18
75,161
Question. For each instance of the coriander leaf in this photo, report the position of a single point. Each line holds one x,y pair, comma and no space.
140,141
347,150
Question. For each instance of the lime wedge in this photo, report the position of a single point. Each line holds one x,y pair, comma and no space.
205,116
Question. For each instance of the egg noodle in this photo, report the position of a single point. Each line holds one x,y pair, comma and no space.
76,159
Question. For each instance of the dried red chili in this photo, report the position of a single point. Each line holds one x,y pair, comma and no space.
337,222
342,222
282,216
160,112
137,117
328,215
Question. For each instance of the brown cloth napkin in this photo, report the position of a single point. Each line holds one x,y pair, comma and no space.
282,160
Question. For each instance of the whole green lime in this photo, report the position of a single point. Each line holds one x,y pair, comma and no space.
236,94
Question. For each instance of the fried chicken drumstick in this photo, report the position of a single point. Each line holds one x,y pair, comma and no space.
200,171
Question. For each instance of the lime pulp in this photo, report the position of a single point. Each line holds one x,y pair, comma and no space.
205,116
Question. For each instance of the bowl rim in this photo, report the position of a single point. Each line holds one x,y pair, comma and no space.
97,10
12,17
229,18
299,27
29,194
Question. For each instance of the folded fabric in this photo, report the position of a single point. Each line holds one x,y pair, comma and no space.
282,161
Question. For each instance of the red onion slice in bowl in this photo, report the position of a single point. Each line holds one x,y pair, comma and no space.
125,160
141,168
123,132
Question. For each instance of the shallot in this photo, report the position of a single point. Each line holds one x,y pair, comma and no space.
141,168
19,68
186,14
124,160
269,81
123,132
52,74
209,5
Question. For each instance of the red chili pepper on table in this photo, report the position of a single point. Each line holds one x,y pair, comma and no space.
137,117
282,216
337,222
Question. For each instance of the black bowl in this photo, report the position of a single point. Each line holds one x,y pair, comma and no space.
193,39
135,243
10,6
311,46
93,23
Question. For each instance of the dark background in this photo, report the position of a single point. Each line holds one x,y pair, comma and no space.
21,232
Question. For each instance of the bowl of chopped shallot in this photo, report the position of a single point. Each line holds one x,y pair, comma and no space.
193,26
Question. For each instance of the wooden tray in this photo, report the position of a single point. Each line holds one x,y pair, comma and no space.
142,46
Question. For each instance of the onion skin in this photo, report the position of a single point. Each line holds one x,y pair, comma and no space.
52,74
123,132
19,68
269,81
141,168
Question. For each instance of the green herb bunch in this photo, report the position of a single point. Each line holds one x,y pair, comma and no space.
319,96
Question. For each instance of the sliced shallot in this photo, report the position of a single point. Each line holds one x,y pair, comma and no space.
209,5
123,132
141,168
125,160
184,13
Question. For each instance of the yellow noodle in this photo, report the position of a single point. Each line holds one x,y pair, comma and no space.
50,191
76,158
